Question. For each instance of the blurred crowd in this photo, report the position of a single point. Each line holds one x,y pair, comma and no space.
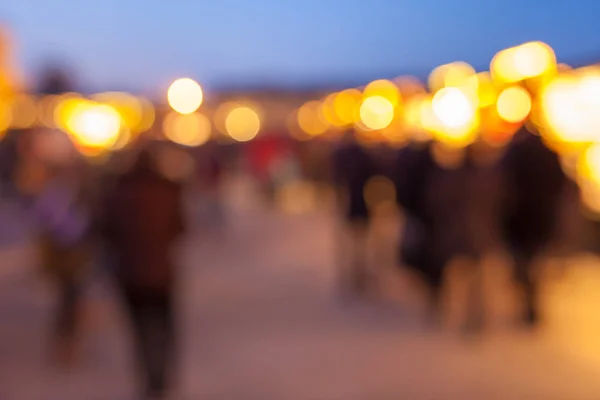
467,188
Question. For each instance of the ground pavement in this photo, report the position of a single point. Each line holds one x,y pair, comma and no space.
259,320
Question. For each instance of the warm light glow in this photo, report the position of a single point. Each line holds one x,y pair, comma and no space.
128,106
148,115
328,111
570,108
383,88
94,127
514,104
346,104
46,110
23,112
450,75
311,119
589,164
242,124
185,95
5,118
453,108
526,61
457,117
187,130
376,112
487,91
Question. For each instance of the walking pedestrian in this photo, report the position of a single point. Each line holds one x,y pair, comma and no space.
142,221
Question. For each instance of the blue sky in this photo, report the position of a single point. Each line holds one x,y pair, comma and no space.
143,44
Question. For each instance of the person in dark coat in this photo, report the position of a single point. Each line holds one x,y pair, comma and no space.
535,183
142,221
352,168
414,174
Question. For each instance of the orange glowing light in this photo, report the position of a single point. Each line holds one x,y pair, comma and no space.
523,62
311,119
23,110
94,126
345,105
383,88
514,104
187,129
242,124
450,75
376,112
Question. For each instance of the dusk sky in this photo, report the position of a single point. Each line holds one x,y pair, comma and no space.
143,44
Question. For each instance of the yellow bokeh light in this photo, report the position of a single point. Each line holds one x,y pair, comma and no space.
450,75
148,115
376,112
345,105
523,62
514,104
187,130
383,88
23,112
5,117
453,107
329,113
94,127
185,95
128,106
588,166
311,119
63,109
456,117
242,124
487,91
570,108
46,110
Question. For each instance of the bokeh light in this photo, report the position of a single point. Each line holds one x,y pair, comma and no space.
376,112
588,166
46,110
185,95
345,105
570,108
242,123
514,104
329,113
311,119
457,117
187,129
487,91
148,115
523,62
450,75
383,88
23,112
5,117
93,127
128,106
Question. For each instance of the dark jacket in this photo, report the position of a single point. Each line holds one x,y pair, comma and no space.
352,168
143,218
535,183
